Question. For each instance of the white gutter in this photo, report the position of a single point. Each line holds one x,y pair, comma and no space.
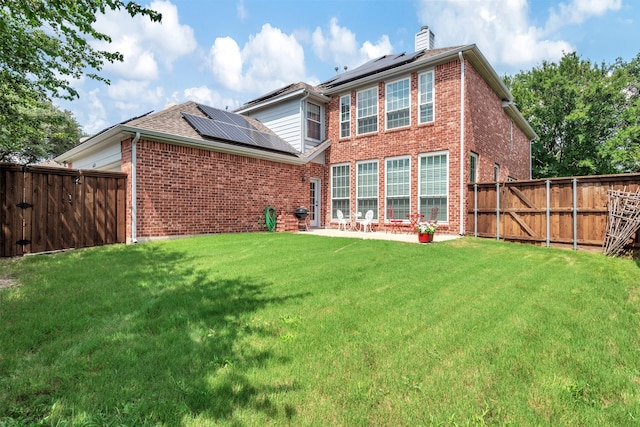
122,131
134,195
462,152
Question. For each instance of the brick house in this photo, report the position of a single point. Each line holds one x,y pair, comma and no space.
398,135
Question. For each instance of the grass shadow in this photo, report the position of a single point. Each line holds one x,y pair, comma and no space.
166,341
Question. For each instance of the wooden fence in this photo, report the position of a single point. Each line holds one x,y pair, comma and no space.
45,209
555,212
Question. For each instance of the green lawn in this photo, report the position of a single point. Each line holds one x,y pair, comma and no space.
255,329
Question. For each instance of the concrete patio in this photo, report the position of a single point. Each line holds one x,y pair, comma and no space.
379,235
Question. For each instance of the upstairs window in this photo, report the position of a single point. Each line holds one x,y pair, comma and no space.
426,97
313,121
398,101
345,116
367,109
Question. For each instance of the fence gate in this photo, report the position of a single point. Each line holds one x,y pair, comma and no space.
46,209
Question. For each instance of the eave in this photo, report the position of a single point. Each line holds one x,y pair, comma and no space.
291,95
122,132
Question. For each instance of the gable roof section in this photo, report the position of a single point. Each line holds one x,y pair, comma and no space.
281,94
171,126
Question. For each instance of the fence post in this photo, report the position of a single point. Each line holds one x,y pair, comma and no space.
548,182
575,214
475,210
497,211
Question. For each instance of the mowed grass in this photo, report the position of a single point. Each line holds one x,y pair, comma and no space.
281,329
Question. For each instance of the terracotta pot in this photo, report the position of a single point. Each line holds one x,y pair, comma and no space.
425,237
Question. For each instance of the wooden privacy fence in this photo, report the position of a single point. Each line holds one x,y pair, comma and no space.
45,209
558,211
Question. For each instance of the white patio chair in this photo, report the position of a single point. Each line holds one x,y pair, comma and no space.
342,221
366,222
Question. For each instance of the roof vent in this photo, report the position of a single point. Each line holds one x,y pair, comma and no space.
425,39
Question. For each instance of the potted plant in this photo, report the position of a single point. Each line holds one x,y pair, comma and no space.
426,229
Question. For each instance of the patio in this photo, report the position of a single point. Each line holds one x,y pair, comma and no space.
379,235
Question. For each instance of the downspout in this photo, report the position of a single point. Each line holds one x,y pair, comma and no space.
134,184
462,151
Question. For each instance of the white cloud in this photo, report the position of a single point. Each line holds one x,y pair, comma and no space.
341,47
501,29
226,62
268,60
204,95
578,11
242,11
143,43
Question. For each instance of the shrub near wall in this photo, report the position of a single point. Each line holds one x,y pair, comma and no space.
187,191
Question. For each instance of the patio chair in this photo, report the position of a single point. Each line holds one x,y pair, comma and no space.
368,219
342,221
434,215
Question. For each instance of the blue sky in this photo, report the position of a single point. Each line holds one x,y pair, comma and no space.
225,52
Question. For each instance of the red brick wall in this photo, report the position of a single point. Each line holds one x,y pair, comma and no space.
489,132
442,134
486,133
187,191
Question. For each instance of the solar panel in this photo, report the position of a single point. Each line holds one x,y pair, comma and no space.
225,116
374,66
230,132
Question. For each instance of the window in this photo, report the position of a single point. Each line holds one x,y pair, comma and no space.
367,109
434,183
473,167
425,94
496,172
398,101
313,121
398,188
367,187
345,116
340,190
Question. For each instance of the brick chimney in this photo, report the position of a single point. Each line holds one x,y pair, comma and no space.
425,39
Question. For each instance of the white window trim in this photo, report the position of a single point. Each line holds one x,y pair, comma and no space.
386,206
386,105
377,115
433,74
350,115
431,154
361,162
331,189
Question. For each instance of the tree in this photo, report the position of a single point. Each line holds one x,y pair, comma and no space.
43,45
38,130
624,147
577,109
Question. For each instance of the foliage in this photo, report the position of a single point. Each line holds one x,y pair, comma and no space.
44,45
37,131
585,116
209,331
427,227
